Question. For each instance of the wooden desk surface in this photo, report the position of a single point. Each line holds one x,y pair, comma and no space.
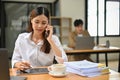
97,50
112,76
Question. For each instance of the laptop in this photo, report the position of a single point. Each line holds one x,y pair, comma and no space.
83,43
4,67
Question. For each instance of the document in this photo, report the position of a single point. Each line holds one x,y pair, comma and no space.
82,64
86,68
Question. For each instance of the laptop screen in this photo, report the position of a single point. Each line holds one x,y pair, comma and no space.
4,67
4,64
83,43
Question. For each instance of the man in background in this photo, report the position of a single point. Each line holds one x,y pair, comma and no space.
79,31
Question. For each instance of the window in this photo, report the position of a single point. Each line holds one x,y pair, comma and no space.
112,18
92,17
103,17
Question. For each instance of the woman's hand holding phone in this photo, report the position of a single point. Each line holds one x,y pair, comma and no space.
49,32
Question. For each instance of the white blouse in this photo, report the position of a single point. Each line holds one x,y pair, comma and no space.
26,50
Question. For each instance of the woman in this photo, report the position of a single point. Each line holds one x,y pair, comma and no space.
39,46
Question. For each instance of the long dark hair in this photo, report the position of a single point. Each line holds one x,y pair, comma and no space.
36,12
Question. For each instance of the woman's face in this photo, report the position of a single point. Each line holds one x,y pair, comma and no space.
39,23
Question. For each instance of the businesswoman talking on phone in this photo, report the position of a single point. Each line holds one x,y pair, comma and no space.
39,47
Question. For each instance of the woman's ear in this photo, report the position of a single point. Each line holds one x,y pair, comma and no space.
30,19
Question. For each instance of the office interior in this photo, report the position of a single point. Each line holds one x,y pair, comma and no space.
16,12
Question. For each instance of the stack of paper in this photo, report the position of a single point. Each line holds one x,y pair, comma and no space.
86,68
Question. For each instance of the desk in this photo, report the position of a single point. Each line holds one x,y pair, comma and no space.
97,51
112,76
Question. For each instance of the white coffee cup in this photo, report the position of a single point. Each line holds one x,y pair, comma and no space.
57,69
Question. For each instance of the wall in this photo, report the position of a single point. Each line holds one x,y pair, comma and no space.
72,8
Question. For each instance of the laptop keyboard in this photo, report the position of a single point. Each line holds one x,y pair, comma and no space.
18,78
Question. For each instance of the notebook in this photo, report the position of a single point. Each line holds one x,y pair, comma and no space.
83,43
4,67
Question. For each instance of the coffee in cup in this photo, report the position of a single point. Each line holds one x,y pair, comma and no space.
57,69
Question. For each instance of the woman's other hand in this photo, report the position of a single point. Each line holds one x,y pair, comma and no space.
22,65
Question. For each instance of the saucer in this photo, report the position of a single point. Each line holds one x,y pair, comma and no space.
57,75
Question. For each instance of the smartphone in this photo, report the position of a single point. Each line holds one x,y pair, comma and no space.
47,34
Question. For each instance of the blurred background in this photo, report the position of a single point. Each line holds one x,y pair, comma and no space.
101,19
